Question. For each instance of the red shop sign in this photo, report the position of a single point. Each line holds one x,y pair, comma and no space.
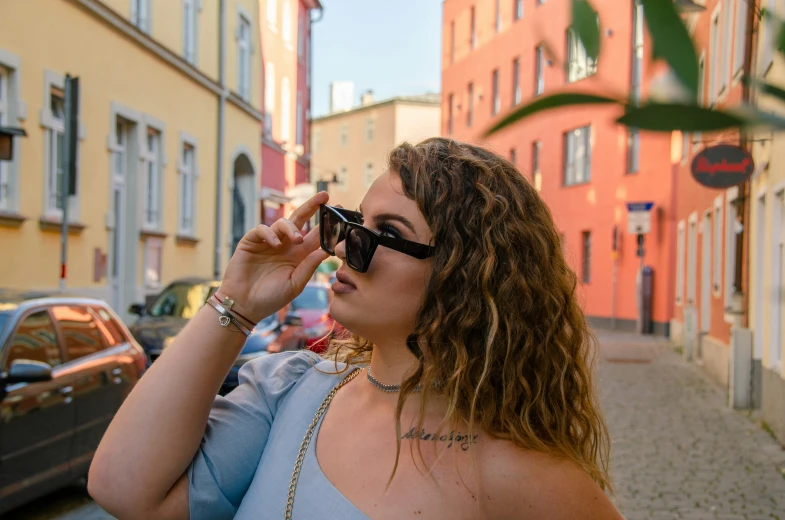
722,166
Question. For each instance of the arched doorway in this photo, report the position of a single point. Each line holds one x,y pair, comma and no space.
243,198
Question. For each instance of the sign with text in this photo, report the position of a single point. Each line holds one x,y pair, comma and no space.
639,217
722,166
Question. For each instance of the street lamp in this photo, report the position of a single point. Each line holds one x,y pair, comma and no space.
7,135
688,6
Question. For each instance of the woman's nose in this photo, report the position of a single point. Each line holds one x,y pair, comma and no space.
340,250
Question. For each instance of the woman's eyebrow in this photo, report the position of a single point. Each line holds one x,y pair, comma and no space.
392,216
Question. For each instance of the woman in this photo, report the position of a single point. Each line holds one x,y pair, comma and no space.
464,391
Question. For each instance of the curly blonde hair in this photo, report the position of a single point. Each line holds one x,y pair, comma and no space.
500,326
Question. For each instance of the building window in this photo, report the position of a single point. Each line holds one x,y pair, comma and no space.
769,36
577,156
370,129
269,88
472,32
637,52
470,111
697,136
579,64
586,257
633,150
516,81
190,23
369,175
452,41
715,57
55,156
286,110
496,105
514,156
286,21
187,173
536,177
140,14
153,261
450,103
680,245
272,14
741,33
5,181
343,175
498,16
301,36
539,70
244,58
716,278
727,43
692,258
518,9
152,182
344,135
298,122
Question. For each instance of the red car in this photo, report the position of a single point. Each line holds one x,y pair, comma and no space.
313,306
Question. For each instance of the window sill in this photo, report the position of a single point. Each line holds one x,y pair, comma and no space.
147,233
11,220
576,184
185,240
54,225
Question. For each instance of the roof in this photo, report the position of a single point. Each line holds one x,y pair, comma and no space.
430,99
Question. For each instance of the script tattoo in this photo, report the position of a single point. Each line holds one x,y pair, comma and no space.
462,439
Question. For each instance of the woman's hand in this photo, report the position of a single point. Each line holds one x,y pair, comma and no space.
271,265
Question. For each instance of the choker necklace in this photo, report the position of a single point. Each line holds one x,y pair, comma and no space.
390,389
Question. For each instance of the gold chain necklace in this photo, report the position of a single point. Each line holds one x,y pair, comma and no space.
307,440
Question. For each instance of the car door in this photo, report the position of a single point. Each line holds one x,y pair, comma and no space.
97,390
36,419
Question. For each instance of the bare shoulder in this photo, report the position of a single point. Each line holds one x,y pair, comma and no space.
522,484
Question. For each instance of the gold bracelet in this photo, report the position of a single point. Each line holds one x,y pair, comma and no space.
226,318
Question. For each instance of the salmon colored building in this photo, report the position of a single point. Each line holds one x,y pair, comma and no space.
286,60
499,53
710,265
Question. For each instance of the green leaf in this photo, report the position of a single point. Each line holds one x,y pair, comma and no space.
765,88
562,99
672,41
660,117
586,26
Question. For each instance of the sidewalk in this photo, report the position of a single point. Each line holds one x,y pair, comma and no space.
678,451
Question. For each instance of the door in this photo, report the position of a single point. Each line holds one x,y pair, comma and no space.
36,419
97,382
239,226
775,298
116,271
760,256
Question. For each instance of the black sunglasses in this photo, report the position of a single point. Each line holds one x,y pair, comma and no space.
338,224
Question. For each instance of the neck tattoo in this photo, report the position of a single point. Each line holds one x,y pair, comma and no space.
462,439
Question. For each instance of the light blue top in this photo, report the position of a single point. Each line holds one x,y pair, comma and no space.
244,465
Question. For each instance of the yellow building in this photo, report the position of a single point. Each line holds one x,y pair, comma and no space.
767,254
351,147
168,159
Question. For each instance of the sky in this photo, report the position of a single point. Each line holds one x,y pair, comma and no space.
390,47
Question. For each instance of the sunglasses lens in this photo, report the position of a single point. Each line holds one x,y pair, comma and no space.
331,226
358,243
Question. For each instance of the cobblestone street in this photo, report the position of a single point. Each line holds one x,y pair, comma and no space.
678,451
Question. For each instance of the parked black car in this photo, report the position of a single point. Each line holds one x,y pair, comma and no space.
159,323
66,365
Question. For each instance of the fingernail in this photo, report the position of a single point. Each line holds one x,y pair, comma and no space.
276,242
297,235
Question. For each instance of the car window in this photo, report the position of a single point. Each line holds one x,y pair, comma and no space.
3,320
179,301
34,339
311,298
110,329
80,331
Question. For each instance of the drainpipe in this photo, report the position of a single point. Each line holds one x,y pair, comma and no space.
309,74
743,275
219,189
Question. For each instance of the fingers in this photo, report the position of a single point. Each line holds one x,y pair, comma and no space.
307,267
309,209
284,227
262,233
